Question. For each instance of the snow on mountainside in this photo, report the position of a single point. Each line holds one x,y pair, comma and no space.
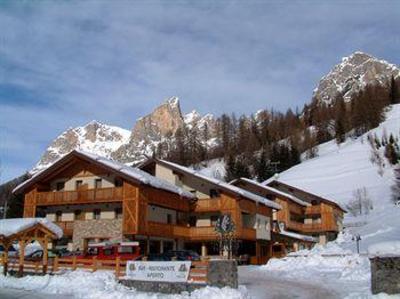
93,137
339,170
352,74
129,146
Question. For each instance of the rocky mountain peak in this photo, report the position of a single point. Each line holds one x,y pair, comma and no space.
93,137
353,74
165,119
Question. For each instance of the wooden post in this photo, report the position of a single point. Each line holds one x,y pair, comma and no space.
21,257
94,263
117,267
55,264
74,263
5,260
45,255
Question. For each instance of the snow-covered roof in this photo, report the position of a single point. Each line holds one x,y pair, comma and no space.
131,172
12,226
297,236
224,185
276,191
384,249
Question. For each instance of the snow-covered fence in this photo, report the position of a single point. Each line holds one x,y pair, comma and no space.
117,265
198,271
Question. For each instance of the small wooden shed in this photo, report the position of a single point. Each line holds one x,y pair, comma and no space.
24,231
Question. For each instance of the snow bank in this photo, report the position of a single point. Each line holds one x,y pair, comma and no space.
13,226
102,284
323,260
385,249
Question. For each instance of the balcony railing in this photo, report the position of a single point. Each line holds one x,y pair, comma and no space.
79,196
311,227
194,233
313,210
208,205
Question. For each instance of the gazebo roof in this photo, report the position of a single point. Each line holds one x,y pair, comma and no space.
14,226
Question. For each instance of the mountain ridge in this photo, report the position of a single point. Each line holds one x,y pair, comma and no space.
157,130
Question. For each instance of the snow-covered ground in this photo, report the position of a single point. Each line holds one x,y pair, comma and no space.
102,284
339,171
323,272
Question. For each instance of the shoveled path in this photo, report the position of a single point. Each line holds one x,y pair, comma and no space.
263,285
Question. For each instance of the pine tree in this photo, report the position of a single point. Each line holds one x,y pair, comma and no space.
396,186
261,169
230,169
340,120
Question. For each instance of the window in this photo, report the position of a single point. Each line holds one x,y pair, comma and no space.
96,214
58,216
108,251
60,186
214,193
78,184
118,213
192,220
97,183
214,219
118,182
169,218
78,214
126,249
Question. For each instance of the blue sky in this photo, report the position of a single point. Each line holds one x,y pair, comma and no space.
64,63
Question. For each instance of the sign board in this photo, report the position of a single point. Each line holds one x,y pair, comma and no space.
176,271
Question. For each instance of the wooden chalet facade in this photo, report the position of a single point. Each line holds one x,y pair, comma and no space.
303,215
252,214
95,199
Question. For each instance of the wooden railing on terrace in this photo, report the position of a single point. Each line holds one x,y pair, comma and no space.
79,196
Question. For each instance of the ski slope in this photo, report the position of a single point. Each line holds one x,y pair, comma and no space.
339,170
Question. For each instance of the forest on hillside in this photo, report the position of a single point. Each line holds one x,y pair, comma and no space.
262,144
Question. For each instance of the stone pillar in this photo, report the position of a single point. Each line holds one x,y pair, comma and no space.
385,275
222,273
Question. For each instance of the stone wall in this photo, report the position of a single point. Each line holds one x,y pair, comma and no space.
385,275
222,273
101,228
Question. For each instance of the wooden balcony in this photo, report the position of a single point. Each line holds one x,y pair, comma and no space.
248,234
79,197
203,233
208,205
313,210
167,230
311,227
67,227
198,233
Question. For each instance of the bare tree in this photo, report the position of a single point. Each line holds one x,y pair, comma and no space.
361,204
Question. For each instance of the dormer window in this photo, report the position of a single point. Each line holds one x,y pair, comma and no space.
78,184
214,193
97,183
60,186
118,182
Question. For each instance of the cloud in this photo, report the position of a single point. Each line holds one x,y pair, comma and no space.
65,63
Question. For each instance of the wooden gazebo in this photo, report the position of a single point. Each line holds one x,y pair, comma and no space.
24,231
